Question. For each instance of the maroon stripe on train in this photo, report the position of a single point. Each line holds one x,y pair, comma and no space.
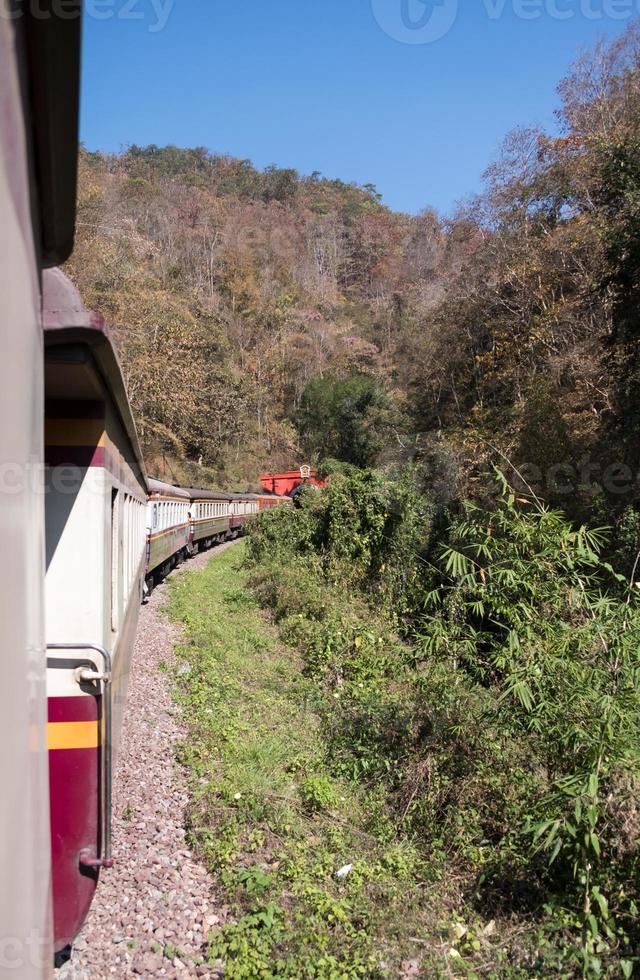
73,781
72,709
83,456
58,409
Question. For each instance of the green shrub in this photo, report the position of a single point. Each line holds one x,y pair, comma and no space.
502,740
317,793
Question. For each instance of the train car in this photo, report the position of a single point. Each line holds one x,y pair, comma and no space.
210,518
169,538
95,524
266,501
39,82
242,506
283,484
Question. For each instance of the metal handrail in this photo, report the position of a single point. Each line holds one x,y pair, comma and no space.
106,861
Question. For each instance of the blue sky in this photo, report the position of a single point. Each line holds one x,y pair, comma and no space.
332,85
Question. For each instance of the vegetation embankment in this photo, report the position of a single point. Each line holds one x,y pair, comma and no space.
318,880
459,721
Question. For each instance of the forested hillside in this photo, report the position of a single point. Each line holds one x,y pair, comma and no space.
509,324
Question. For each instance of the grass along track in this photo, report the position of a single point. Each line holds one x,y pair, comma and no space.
315,889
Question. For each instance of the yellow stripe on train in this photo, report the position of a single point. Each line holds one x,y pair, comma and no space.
73,735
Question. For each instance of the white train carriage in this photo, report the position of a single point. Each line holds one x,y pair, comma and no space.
95,510
39,83
242,507
210,516
168,529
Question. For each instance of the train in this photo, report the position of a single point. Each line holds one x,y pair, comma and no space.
184,520
86,534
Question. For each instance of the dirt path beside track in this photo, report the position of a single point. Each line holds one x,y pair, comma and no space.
157,898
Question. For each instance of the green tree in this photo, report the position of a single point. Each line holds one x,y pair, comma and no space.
347,419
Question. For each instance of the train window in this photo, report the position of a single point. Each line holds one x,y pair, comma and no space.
115,557
155,517
126,542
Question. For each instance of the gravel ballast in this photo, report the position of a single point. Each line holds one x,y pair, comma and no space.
157,898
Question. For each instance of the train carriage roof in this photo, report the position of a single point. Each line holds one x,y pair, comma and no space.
76,337
198,494
167,490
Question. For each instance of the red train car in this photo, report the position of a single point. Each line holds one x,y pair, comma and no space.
283,484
